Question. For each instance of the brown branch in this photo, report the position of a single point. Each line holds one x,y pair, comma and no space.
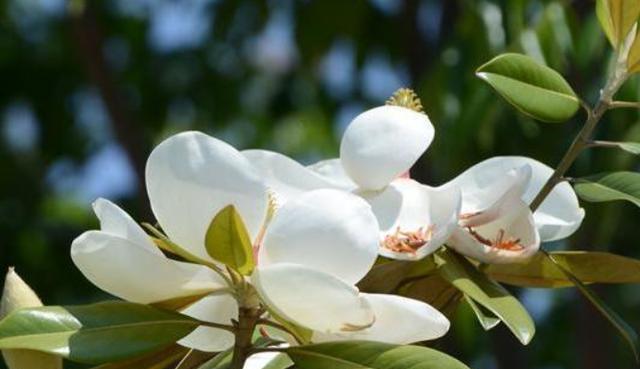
89,40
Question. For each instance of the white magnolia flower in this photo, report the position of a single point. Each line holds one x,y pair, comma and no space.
497,225
315,248
377,150
559,215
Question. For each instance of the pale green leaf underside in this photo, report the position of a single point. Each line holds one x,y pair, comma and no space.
631,147
589,267
486,318
94,334
610,187
487,293
534,89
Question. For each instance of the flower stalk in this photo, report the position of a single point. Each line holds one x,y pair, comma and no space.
247,320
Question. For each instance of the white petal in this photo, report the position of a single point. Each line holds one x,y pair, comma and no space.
333,171
408,206
328,230
399,320
484,195
216,309
133,273
383,143
518,224
559,215
191,177
311,298
115,221
285,176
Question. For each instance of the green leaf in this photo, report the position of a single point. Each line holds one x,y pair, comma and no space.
534,89
370,355
487,293
589,267
228,241
486,318
94,334
604,17
617,17
610,187
624,329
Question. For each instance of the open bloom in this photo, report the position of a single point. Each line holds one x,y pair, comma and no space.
311,252
496,225
377,150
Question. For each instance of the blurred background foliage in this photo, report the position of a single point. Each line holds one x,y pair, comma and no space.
88,88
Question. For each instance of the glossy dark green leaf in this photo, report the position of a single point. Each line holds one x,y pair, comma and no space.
161,359
589,267
623,328
370,355
485,317
610,187
95,334
228,241
487,293
534,89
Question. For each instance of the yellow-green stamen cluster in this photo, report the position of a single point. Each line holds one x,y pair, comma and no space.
406,98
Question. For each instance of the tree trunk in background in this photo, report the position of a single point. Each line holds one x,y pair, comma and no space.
89,41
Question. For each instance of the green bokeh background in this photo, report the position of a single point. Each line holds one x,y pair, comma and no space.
86,89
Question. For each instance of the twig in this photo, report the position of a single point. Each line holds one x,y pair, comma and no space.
610,144
583,139
624,104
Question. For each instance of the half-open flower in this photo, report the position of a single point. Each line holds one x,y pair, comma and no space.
486,183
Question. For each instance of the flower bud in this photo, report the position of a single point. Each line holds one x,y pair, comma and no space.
16,295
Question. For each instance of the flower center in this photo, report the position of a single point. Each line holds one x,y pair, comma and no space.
408,242
500,242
